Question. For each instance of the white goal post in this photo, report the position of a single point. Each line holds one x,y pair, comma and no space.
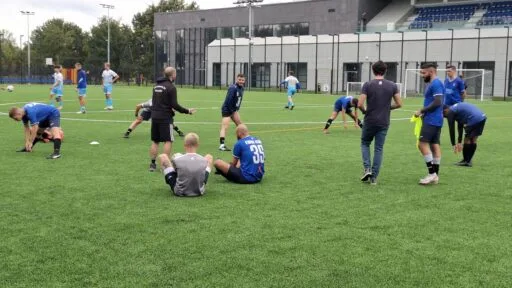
354,88
413,81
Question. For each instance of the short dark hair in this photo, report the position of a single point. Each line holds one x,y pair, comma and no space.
240,75
428,65
291,73
56,66
379,68
451,67
355,101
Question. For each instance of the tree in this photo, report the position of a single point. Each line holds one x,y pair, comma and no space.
9,54
120,40
143,39
65,42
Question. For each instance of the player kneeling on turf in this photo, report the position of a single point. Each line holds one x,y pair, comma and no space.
43,135
248,165
188,173
473,120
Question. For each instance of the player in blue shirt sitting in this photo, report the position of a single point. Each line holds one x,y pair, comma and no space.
473,120
248,165
344,105
35,115
432,112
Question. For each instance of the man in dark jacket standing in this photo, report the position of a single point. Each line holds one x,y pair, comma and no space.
165,100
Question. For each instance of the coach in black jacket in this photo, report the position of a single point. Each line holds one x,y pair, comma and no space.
165,102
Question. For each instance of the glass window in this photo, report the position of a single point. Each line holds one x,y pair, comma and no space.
227,32
211,34
264,31
260,74
304,29
276,30
285,30
216,74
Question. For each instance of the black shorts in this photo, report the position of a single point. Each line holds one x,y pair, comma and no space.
161,132
226,113
430,134
235,175
146,115
475,130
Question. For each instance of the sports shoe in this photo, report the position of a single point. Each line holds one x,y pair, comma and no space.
181,134
461,163
286,107
53,156
22,150
126,135
152,167
223,147
464,164
367,174
373,181
110,108
291,108
430,179
326,131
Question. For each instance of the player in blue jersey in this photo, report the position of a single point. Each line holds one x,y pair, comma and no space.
344,104
35,115
473,120
454,92
57,87
292,84
230,109
248,164
432,113
81,87
109,78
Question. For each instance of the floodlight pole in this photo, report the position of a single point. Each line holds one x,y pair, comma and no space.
108,7
506,65
1,52
28,14
250,4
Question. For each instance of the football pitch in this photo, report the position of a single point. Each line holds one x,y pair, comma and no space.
97,217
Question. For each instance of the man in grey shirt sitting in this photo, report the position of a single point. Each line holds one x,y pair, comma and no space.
188,173
377,94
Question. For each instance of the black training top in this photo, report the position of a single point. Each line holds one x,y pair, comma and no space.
165,99
379,93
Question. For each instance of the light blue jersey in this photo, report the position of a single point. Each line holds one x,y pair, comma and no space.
58,84
108,80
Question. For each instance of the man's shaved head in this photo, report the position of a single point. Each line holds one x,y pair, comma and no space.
170,72
242,131
191,140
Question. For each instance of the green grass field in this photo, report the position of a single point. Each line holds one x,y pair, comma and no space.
98,218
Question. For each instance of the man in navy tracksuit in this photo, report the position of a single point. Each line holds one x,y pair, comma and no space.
230,108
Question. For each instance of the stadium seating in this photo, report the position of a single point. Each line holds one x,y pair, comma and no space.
498,13
442,14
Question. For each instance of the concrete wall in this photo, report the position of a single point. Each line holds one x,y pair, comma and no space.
465,49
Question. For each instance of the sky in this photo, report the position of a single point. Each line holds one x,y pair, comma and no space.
84,13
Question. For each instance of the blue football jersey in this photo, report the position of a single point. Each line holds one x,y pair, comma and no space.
435,117
453,90
467,114
38,112
251,154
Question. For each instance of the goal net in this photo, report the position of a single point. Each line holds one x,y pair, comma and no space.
354,88
478,82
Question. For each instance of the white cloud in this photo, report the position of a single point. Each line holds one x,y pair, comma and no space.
83,13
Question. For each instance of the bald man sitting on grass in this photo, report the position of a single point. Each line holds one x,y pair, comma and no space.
187,173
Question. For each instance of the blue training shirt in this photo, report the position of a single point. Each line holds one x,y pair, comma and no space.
435,117
81,79
344,102
38,112
453,90
467,113
233,99
249,151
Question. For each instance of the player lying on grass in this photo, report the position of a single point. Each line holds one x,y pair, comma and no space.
248,164
344,105
230,109
35,115
145,115
473,120
188,173
43,135
293,85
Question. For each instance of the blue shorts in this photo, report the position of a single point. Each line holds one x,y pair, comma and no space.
52,122
291,91
56,91
82,92
338,109
107,89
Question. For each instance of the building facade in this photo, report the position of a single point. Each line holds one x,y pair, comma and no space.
334,60
182,38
